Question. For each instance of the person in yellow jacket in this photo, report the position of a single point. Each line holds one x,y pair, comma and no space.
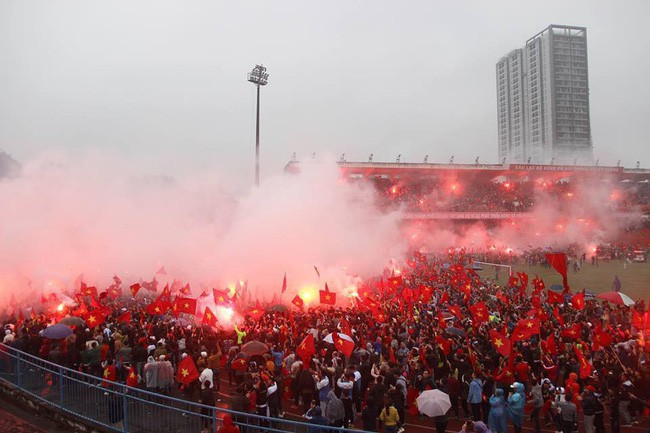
389,416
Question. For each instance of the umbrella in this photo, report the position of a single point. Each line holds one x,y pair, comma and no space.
455,331
617,298
476,267
72,321
557,287
56,332
433,402
279,308
328,338
254,347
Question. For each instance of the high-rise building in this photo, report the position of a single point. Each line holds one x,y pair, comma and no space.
543,99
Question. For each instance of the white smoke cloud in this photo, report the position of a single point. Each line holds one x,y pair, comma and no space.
100,215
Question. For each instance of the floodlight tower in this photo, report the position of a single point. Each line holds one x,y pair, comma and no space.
259,77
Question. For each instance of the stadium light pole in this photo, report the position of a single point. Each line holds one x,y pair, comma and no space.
259,77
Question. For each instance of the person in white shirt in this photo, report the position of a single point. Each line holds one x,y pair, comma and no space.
206,375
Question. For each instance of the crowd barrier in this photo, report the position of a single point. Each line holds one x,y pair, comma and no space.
120,408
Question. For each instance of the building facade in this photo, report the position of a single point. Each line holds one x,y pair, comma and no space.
543,99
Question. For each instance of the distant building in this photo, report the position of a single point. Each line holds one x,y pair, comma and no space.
543,99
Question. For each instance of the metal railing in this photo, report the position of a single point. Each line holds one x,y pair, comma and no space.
121,408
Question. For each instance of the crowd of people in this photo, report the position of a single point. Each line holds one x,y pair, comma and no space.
489,195
429,325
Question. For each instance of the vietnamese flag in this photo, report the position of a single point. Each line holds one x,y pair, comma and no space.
500,342
156,308
209,318
444,298
578,300
500,296
185,290
186,305
600,339
327,297
445,344
256,312
345,346
549,344
455,310
523,279
132,378
90,291
526,329
558,261
638,319
297,301
479,312
306,349
585,367
395,281
572,332
135,288
538,284
221,297
187,372
284,283
161,271
345,327
554,297
513,281
124,318
43,299
379,315
81,310
556,314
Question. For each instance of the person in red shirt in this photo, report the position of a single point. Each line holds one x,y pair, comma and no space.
522,370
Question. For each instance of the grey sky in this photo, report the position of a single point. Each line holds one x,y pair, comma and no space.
165,82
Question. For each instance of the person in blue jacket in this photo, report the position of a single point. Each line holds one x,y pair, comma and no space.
475,396
516,403
498,419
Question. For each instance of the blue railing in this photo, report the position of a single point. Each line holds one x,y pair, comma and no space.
121,408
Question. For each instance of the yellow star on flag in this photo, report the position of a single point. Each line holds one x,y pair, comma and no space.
529,324
185,372
498,342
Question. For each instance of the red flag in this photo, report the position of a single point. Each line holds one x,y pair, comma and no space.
297,301
500,342
256,312
132,378
327,297
345,327
500,296
124,318
441,320
572,332
585,367
156,308
445,344
161,271
114,292
379,315
550,344
165,296
558,261
117,279
284,283
187,372
185,290
81,310
526,329
578,300
209,318
43,299
600,339
479,312
513,281
135,288
444,298
556,314
306,349
391,355
538,284
345,346
186,305
455,310
221,297
523,279
90,291
554,297
638,319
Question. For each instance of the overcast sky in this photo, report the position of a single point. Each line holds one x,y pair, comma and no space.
165,82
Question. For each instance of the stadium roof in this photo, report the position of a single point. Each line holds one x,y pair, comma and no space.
414,171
